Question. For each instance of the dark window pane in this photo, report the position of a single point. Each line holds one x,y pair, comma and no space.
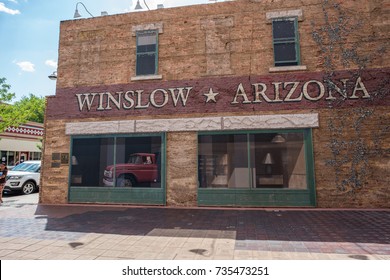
146,53
283,29
146,48
89,160
278,160
223,161
137,164
147,39
286,63
285,52
146,64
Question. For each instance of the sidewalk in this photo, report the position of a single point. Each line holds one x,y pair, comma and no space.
31,231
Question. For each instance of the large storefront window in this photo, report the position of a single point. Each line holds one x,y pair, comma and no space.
116,162
253,161
138,162
90,157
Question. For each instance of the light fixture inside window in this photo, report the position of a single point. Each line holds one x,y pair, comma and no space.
278,139
75,161
268,161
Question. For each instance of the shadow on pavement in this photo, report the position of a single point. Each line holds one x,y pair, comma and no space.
285,225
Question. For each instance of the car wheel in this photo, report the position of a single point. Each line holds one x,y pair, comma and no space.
126,182
28,187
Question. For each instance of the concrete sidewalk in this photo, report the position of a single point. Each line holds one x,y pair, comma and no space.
31,231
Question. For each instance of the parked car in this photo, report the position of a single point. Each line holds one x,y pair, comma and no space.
140,168
24,177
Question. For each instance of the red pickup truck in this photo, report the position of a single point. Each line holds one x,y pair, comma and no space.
140,168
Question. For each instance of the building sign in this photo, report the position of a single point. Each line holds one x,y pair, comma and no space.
295,91
254,93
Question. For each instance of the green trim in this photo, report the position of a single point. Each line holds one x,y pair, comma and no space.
155,53
254,197
70,167
136,195
117,195
251,196
248,150
309,158
163,166
294,40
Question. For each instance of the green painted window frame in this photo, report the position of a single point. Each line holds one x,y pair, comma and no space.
286,197
295,40
155,53
119,192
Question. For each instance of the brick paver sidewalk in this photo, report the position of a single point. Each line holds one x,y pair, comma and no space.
29,231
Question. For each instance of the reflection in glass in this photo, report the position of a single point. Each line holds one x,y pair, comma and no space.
223,161
116,162
92,156
138,162
278,164
253,160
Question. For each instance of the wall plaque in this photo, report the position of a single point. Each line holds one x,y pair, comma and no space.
55,156
64,158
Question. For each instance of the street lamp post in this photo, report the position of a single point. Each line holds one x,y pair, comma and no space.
53,76
139,7
76,12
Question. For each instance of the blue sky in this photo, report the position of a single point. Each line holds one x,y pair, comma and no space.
29,32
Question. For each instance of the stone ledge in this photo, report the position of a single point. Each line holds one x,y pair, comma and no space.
271,122
146,77
284,14
282,121
288,68
148,26
185,124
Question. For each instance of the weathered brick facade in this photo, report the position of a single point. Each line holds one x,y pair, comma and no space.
224,45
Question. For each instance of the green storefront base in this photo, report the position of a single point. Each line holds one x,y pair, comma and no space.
140,196
253,197
256,198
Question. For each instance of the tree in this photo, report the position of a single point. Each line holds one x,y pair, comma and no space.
31,108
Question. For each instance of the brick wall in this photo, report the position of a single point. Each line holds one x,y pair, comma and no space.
101,50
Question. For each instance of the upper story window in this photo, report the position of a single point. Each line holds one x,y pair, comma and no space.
286,41
147,52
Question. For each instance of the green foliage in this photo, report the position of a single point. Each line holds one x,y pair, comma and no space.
31,108
5,95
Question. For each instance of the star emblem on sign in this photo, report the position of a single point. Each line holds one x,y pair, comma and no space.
211,96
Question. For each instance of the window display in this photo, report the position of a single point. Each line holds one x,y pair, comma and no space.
252,160
117,162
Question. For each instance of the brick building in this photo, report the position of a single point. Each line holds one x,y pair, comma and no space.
240,103
21,143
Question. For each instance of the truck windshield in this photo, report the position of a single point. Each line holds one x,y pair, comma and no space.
135,159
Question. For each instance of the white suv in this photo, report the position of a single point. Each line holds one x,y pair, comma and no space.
24,177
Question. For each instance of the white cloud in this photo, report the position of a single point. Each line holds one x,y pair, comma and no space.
13,1
26,66
51,63
6,10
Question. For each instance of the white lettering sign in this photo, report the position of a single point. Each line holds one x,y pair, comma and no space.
259,93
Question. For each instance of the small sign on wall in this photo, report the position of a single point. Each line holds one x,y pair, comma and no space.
59,159
64,158
55,160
